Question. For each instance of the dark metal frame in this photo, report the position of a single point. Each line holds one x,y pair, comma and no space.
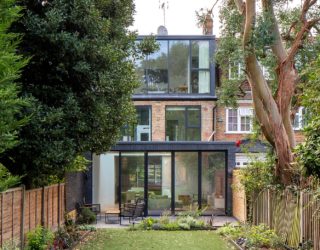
185,96
229,151
186,126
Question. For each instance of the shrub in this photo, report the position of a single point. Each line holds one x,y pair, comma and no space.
230,230
252,237
66,236
147,223
86,216
11,244
39,239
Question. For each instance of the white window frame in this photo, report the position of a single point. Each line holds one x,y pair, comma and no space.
239,74
238,131
300,121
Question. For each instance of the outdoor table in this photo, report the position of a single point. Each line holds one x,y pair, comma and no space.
111,213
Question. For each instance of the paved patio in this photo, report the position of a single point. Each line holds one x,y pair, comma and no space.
218,221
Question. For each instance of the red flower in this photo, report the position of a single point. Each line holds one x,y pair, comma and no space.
238,143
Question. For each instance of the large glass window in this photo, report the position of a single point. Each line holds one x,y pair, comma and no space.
153,71
200,77
132,177
183,123
179,66
186,181
213,182
159,182
141,130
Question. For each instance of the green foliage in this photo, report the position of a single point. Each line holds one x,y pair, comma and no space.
182,222
231,230
86,216
65,237
258,175
81,78
148,45
87,228
10,67
79,164
252,237
308,153
12,244
39,239
7,180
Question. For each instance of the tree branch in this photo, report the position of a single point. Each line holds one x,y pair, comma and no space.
241,6
277,47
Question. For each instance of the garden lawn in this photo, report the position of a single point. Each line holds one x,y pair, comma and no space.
121,239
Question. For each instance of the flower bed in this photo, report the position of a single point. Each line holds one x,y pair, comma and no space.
252,237
184,221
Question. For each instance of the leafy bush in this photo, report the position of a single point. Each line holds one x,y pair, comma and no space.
181,223
12,244
86,216
252,237
230,230
87,228
39,239
147,223
7,180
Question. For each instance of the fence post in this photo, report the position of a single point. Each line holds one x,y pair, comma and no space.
23,198
1,220
42,207
59,209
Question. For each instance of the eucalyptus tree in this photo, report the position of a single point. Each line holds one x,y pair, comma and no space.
278,35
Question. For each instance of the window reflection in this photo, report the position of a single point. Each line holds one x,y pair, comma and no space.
179,66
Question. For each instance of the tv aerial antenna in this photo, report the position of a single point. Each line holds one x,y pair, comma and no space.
164,5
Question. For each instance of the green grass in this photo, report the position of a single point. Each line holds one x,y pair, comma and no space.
120,239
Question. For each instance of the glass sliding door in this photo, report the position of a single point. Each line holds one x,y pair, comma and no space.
159,182
186,181
213,182
132,177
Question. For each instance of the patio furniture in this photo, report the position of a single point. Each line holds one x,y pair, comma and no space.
132,210
110,214
95,208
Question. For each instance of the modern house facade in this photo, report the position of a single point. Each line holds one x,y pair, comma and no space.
169,157
182,150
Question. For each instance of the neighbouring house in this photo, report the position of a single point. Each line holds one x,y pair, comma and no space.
181,152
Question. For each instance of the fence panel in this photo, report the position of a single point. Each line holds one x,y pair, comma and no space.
22,211
294,215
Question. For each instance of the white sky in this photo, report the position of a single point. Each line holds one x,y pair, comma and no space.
180,17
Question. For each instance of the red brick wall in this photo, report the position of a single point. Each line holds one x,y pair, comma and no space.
158,120
158,116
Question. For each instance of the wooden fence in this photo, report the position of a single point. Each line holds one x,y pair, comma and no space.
293,215
22,210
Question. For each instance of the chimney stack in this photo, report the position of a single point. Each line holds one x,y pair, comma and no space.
208,24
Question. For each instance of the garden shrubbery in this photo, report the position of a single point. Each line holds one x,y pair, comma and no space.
185,221
252,237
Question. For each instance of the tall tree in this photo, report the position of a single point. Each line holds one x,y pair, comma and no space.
274,36
10,104
81,78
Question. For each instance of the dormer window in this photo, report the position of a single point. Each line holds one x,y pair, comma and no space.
180,66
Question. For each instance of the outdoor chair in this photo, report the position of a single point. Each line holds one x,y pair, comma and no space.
95,208
132,210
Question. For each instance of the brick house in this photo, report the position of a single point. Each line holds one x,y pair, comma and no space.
181,152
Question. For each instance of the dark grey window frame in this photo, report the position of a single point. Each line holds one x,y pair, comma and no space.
228,194
132,126
182,96
186,125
